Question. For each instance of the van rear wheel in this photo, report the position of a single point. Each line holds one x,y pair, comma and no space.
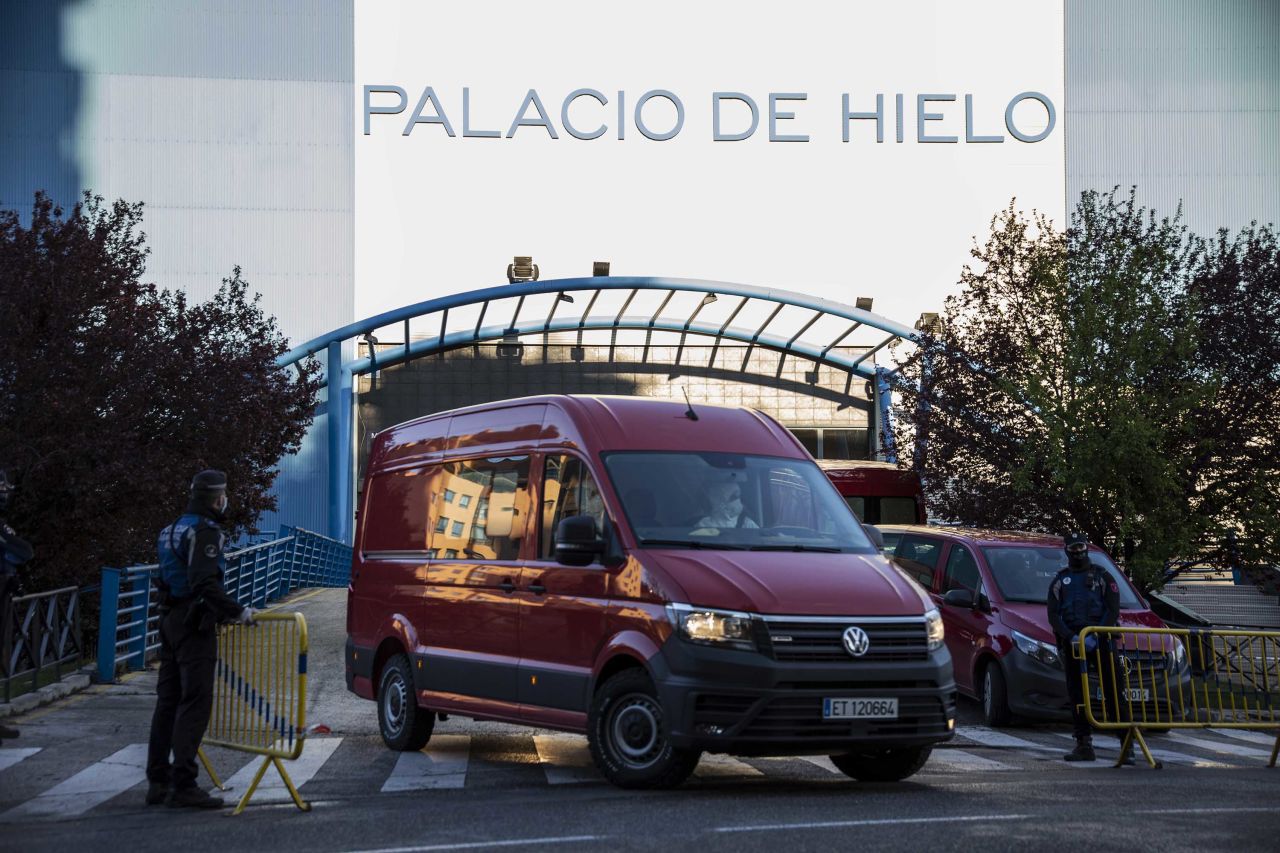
627,733
882,765
404,726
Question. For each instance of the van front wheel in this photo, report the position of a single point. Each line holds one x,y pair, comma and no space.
627,733
405,727
882,765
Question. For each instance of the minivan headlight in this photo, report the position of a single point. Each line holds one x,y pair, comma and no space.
933,629
724,628
1043,652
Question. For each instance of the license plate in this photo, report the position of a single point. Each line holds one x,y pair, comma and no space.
859,709
1132,694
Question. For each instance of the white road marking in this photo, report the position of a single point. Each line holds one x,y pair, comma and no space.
991,737
442,764
92,786
10,757
897,821
823,762
1252,737
1165,755
271,789
566,759
472,845
958,759
1219,810
721,766
1221,748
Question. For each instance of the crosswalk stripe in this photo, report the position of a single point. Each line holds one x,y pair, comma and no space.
1221,748
1253,737
1166,756
271,789
92,786
442,764
991,737
566,759
10,757
821,761
720,766
958,759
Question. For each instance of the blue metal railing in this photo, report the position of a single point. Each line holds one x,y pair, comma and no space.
129,629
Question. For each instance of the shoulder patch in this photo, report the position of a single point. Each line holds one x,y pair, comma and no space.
1066,580
211,550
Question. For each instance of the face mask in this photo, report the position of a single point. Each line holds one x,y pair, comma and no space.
1078,561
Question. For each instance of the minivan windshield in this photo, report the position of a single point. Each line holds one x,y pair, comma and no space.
732,501
1023,573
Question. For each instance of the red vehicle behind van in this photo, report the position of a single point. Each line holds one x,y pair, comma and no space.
665,580
992,588
877,492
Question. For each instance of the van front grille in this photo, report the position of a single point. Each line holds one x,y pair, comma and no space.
817,642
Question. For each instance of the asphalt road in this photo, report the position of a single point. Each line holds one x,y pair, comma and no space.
486,785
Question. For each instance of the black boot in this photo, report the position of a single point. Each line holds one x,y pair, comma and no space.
8,732
157,793
1083,751
193,798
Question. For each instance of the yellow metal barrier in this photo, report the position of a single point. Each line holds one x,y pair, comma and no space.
260,696
1172,678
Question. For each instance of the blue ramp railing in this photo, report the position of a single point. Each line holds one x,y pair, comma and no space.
129,625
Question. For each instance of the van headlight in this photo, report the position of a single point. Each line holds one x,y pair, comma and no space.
723,628
1043,652
933,629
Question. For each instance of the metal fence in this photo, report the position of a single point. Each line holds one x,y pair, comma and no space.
40,639
128,628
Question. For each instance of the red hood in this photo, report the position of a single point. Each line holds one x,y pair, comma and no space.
1033,620
806,584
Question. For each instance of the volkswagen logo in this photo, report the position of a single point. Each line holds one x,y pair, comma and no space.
856,641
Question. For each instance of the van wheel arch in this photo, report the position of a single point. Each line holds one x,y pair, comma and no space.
616,664
389,648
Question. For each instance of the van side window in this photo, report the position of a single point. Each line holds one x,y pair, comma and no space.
487,501
568,489
919,556
961,571
397,520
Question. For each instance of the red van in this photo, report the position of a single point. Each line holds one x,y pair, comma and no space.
877,492
992,588
667,580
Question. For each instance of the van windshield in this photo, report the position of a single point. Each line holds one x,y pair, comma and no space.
731,501
1024,573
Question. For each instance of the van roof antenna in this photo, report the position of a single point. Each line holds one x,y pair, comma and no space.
689,412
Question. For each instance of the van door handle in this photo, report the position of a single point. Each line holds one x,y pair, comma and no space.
537,588
507,586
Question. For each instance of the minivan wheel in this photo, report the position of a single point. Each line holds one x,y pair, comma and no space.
627,732
882,765
995,698
405,727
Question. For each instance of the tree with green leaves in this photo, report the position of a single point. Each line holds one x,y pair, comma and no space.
114,392
1118,377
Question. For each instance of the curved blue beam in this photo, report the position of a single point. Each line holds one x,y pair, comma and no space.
466,337
533,288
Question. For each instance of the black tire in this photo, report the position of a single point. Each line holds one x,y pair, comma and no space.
404,726
995,697
882,765
627,732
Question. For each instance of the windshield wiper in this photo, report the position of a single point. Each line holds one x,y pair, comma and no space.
820,548
693,543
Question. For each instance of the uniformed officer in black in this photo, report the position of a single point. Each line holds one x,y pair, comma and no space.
13,553
193,602
1081,595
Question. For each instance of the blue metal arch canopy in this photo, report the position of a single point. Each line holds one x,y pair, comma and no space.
821,350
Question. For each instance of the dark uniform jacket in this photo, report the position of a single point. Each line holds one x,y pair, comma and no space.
1080,599
197,542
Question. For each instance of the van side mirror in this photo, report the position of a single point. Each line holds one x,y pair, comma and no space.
959,598
874,534
577,542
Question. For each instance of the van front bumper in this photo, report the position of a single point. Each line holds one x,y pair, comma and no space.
746,703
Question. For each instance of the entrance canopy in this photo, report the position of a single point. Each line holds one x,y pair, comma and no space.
793,324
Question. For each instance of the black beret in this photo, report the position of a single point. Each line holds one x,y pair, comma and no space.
209,481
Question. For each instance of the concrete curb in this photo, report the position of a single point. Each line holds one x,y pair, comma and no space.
45,695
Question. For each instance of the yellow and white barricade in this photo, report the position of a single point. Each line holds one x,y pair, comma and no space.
260,696
1172,678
